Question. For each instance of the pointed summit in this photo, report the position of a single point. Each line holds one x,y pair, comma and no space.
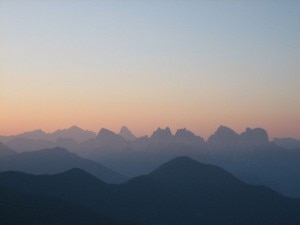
106,133
126,134
162,133
75,128
184,133
75,133
107,137
185,136
184,169
224,136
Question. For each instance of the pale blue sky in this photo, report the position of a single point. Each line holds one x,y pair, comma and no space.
213,62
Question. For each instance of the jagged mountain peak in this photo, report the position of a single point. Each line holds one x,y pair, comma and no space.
162,133
126,133
106,133
255,136
224,136
183,132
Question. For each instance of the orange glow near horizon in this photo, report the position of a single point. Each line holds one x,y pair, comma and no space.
194,64
140,124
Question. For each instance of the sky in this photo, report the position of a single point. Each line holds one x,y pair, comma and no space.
149,64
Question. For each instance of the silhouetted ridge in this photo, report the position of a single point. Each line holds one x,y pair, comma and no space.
184,133
162,133
34,133
184,168
106,135
75,172
180,192
288,143
256,136
76,175
74,132
126,134
6,151
56,160
75,128
249,155
224,136
188,137
57,150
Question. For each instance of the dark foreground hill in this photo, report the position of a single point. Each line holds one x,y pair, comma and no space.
56,160
182,191
18,208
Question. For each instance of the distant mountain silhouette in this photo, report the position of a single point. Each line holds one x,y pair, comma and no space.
107,137
25,144
6,151
126,134
288,143
56,160
162,134
184,133
145,153
249,155
182,191
34,135
256,137
186,136
105,143
75,133
224,136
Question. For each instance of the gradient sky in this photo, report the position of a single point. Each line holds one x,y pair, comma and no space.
144,64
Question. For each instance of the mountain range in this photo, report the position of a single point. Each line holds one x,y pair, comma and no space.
250,155
6,151
56,160
181,191
74,133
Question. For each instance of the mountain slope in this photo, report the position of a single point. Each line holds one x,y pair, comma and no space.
26,144
56,160
213,196
182,191
19,208
74,133
126,134
6,151
288,143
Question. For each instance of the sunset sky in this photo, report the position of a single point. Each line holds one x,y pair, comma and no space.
145,64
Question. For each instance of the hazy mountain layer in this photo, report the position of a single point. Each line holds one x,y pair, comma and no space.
56,160
249,155
181,191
